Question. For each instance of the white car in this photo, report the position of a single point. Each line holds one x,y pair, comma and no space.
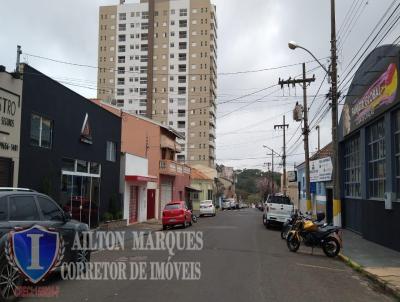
278,209
207,208
226,204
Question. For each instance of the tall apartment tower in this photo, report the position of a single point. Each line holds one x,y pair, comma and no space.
157,58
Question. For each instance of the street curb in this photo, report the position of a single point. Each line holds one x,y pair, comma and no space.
384,285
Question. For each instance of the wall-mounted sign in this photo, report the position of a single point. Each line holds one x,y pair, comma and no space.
321,170
10,116
363,106
86,132
292,176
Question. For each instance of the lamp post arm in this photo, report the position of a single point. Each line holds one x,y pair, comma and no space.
323,67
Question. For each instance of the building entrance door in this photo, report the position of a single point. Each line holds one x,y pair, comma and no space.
6,172
133,204
151,203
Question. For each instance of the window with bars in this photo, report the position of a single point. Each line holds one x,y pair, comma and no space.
376,160
352,168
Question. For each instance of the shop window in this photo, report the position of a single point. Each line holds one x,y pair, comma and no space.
111,151
41,131
82,166
68,164
376,160
352,169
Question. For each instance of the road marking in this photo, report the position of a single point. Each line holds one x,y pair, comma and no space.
321,267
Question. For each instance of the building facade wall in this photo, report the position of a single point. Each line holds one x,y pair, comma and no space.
40,168
369,149
165,67
107,52
10,126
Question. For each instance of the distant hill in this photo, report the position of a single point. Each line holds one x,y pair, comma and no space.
254,185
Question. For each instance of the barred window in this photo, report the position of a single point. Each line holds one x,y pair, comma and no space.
352,170
376,160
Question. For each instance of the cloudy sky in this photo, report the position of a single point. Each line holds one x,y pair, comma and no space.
252,35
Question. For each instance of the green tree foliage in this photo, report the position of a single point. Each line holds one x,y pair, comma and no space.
249,180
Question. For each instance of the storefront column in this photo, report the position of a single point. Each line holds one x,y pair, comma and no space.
364,163
389,187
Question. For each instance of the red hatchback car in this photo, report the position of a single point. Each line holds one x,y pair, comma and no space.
176,213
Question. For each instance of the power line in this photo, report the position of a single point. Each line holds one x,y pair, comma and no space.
165,74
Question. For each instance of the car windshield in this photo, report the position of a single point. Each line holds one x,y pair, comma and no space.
173,206
279,200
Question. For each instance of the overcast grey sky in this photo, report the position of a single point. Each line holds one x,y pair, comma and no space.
252,35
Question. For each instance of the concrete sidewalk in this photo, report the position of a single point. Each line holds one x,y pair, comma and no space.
377,262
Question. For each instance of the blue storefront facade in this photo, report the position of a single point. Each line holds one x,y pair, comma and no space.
369,146
321,191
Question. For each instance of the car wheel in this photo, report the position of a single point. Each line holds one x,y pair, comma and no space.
267,225
164,227
10,279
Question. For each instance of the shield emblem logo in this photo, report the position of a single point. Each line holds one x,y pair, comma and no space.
35,251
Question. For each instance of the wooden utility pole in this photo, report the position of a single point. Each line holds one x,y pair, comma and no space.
335,158
283,126
304,82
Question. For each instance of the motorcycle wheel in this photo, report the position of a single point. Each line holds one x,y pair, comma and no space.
293,243
284,232
194,218
331,247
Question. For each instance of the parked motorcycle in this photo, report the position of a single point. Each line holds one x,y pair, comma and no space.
313,234
287,226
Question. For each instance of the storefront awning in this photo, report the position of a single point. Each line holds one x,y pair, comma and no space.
191,189
140,178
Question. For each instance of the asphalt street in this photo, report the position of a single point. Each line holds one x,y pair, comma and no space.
240,261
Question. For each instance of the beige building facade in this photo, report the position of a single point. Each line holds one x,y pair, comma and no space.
157,58
10,127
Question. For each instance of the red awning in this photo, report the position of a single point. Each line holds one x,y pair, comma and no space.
140,178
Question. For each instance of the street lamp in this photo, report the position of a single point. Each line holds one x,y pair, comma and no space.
293,45
333,75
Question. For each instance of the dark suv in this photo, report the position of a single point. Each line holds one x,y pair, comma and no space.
23,208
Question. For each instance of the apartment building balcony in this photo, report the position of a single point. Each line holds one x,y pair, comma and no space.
211,120
212,108
211,153
212,131
173,168
211,142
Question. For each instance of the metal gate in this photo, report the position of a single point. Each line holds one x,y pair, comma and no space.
133,204
166,194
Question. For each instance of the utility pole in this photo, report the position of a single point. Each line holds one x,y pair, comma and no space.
19,52
304,82
272,171
319,146
283,126
337,221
